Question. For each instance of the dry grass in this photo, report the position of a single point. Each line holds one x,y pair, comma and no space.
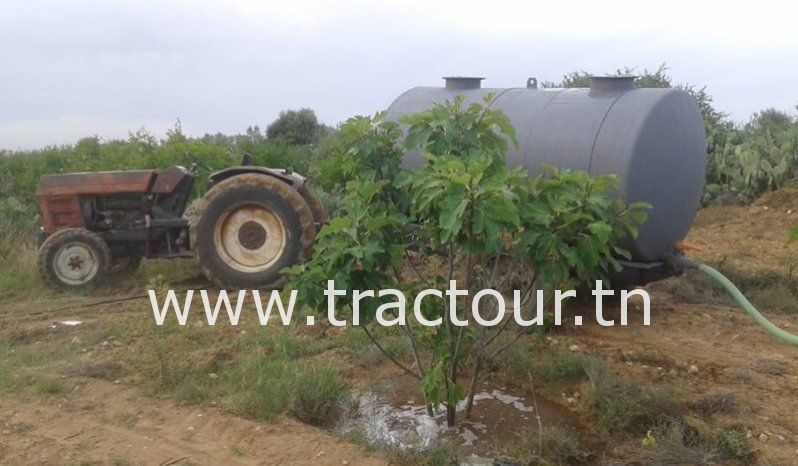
552,446
768,290
626,405
18,272
717,402
675,443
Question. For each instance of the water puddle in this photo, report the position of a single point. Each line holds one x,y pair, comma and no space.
399,422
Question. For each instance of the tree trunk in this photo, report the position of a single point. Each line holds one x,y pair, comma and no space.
473,388
451,414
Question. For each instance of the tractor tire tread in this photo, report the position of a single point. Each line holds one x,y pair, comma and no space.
316,207
285,191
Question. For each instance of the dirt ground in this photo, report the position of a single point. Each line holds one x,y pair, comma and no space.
711,350
105,423
702,348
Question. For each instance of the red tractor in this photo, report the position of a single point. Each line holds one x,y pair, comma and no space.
252,222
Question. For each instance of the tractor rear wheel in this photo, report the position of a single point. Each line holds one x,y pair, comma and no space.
320,217
73,259
249,227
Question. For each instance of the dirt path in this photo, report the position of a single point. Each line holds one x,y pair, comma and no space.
105,423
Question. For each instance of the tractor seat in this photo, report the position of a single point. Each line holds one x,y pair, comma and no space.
97,183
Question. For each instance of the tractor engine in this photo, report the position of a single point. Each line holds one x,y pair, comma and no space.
120,212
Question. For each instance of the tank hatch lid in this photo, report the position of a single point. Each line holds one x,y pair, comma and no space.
612,83
462,82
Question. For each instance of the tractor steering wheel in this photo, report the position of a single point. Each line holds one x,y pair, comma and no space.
198,162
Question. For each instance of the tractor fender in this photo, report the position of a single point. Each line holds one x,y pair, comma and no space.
296,181
292,179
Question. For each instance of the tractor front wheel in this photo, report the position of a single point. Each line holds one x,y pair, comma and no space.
249,228
73,259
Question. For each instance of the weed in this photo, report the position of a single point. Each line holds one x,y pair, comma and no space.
719,402
17,359
11,379
48,386
102,370
769,290
126,419
438,454
92,405
558,366
263,389
780,296
238,450
396,346
355,340
156,272
554,366
770,367
290,346
674,444
316,393
553,446
257,372
733,444
255,388
627,405
18,255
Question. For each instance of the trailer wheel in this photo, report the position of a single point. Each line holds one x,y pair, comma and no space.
73,259
249,227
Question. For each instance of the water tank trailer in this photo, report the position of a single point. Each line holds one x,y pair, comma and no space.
652,138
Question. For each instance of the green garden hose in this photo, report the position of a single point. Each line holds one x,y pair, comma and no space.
746,305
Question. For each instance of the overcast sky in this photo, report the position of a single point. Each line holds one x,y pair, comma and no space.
79,68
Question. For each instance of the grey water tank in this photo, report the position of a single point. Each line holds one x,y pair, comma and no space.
652,138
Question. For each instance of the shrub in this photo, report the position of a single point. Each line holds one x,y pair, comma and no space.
744,161
20,171
295,127
749,164
546,233
733,444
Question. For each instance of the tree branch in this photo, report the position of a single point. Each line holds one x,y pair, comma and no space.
388,355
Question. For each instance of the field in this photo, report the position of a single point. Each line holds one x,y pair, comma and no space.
90,379
702,384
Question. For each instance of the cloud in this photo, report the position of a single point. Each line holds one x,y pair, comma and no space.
72,69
